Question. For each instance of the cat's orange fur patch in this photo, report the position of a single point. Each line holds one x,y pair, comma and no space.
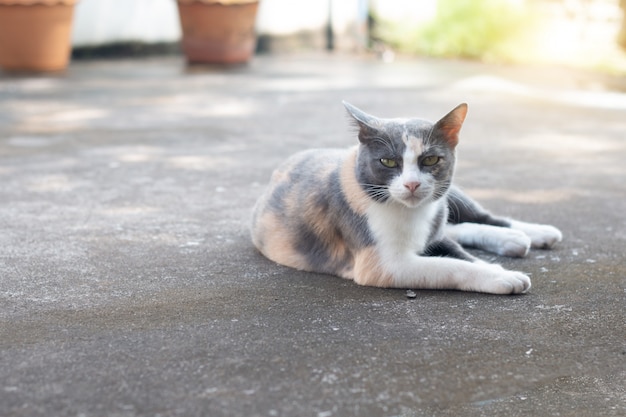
277,244
317,219
356,197
414,143
369,271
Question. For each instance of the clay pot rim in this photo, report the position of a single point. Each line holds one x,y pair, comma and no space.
224,2
38,2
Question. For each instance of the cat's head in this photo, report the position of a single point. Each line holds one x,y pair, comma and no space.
407,161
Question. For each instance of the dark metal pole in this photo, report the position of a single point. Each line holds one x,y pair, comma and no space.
330,35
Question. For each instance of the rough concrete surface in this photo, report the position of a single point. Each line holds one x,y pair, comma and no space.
129,286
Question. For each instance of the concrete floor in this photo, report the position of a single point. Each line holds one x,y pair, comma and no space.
129,286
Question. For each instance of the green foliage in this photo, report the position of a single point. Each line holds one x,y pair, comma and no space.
481,29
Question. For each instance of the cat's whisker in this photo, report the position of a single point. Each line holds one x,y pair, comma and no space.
376,191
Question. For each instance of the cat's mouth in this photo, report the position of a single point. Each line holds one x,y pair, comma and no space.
412,200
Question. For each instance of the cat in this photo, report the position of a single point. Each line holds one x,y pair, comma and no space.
384,213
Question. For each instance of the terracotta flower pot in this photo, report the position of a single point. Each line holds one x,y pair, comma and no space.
35,34
218,31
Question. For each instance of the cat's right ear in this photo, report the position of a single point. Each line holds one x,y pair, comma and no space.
368,125
451,123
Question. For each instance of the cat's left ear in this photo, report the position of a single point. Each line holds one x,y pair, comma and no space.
362,118
450,124
368,124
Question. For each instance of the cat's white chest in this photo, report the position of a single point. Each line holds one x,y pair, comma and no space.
398,229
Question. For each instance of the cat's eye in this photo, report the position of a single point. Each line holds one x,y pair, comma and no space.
389,163
430,161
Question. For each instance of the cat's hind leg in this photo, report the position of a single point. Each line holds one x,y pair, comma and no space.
463,209
542,236
500,240
450,248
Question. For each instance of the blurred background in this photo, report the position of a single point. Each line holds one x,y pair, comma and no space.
588,34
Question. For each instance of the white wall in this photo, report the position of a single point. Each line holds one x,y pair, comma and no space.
105,21
282,17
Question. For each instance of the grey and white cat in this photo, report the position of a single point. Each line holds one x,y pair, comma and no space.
385,213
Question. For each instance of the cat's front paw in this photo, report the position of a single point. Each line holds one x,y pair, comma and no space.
496,280
512,282
542,236
513,243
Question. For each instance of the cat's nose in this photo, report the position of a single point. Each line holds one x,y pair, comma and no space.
412,186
